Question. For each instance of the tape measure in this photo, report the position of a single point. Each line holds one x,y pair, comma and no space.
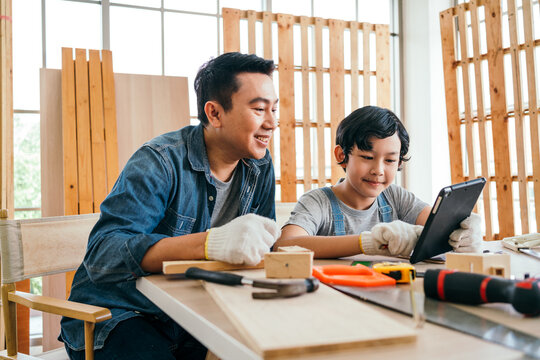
401,272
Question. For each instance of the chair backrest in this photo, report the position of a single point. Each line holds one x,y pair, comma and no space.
45,246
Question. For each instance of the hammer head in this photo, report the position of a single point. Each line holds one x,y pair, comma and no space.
285,289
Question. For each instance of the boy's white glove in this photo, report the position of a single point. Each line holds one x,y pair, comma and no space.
468,238
244,240
394,238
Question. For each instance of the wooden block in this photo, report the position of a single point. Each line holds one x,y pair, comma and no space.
180,266
286,264
487,264
294,248
308,323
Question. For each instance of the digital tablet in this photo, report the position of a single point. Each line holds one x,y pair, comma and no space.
453,204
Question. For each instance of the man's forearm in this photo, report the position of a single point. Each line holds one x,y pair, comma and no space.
185,247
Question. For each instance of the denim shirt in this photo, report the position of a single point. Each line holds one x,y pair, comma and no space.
166,189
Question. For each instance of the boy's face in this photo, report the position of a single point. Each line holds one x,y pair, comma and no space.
370,172
247,127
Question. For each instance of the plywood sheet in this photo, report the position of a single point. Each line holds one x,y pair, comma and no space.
147,106
308,323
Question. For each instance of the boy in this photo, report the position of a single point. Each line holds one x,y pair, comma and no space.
218,176
366,212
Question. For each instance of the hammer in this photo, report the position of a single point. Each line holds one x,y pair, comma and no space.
284,289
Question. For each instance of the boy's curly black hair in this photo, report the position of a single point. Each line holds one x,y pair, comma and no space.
366,122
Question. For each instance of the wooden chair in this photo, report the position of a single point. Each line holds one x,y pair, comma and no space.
38,247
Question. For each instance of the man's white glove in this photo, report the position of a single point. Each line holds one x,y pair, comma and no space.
394,238
468,238
244,240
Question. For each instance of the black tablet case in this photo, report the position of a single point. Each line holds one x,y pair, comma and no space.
453,204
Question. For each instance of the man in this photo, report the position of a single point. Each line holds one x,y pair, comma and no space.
218,176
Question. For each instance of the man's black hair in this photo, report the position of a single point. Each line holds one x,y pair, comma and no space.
216,79
366,122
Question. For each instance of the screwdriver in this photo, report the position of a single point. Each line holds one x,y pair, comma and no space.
470,288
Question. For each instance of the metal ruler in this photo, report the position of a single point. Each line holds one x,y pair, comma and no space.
448,315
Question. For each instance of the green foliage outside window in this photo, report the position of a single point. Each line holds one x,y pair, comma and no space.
26,156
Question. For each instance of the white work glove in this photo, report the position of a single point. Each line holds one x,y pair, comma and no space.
468,238
394,238
244,240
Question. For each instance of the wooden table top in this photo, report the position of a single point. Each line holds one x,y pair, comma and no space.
188,303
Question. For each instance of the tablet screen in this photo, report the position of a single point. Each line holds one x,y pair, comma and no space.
453,204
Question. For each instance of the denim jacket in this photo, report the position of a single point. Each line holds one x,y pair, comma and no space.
166,189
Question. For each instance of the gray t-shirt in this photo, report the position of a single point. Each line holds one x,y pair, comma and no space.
227,204
313,212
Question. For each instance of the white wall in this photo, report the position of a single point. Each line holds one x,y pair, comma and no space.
423,107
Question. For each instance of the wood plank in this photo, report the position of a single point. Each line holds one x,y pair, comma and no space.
450,91
306,116
252,16
148,106
267,54
180,266
533,103
354,65
306,324
52,161
481,119
462,24
69,134
366,30
23,321
53,286
499,118
382,33
84,148
518,118
52,188
6,109
109,114
97,129
231,30
337,87
319,89
286,107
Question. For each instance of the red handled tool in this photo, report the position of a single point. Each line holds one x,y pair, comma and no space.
357,275
470,288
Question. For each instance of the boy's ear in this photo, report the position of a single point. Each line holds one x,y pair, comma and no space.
339,155
213,112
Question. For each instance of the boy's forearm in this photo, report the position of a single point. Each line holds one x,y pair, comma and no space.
324,247
185,247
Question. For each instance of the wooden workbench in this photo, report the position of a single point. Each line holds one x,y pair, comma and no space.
188,303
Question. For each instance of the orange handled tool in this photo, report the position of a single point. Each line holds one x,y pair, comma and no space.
357,275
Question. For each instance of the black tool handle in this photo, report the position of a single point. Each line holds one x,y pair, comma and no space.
214,276
467,288
470,288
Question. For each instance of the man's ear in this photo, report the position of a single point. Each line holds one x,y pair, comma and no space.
213,111
340,156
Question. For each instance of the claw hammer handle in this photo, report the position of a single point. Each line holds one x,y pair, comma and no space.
214,276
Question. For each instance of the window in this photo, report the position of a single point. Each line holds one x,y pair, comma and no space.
146,37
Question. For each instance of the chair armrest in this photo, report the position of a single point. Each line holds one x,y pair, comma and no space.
71,309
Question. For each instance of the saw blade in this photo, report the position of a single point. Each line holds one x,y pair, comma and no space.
445,314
